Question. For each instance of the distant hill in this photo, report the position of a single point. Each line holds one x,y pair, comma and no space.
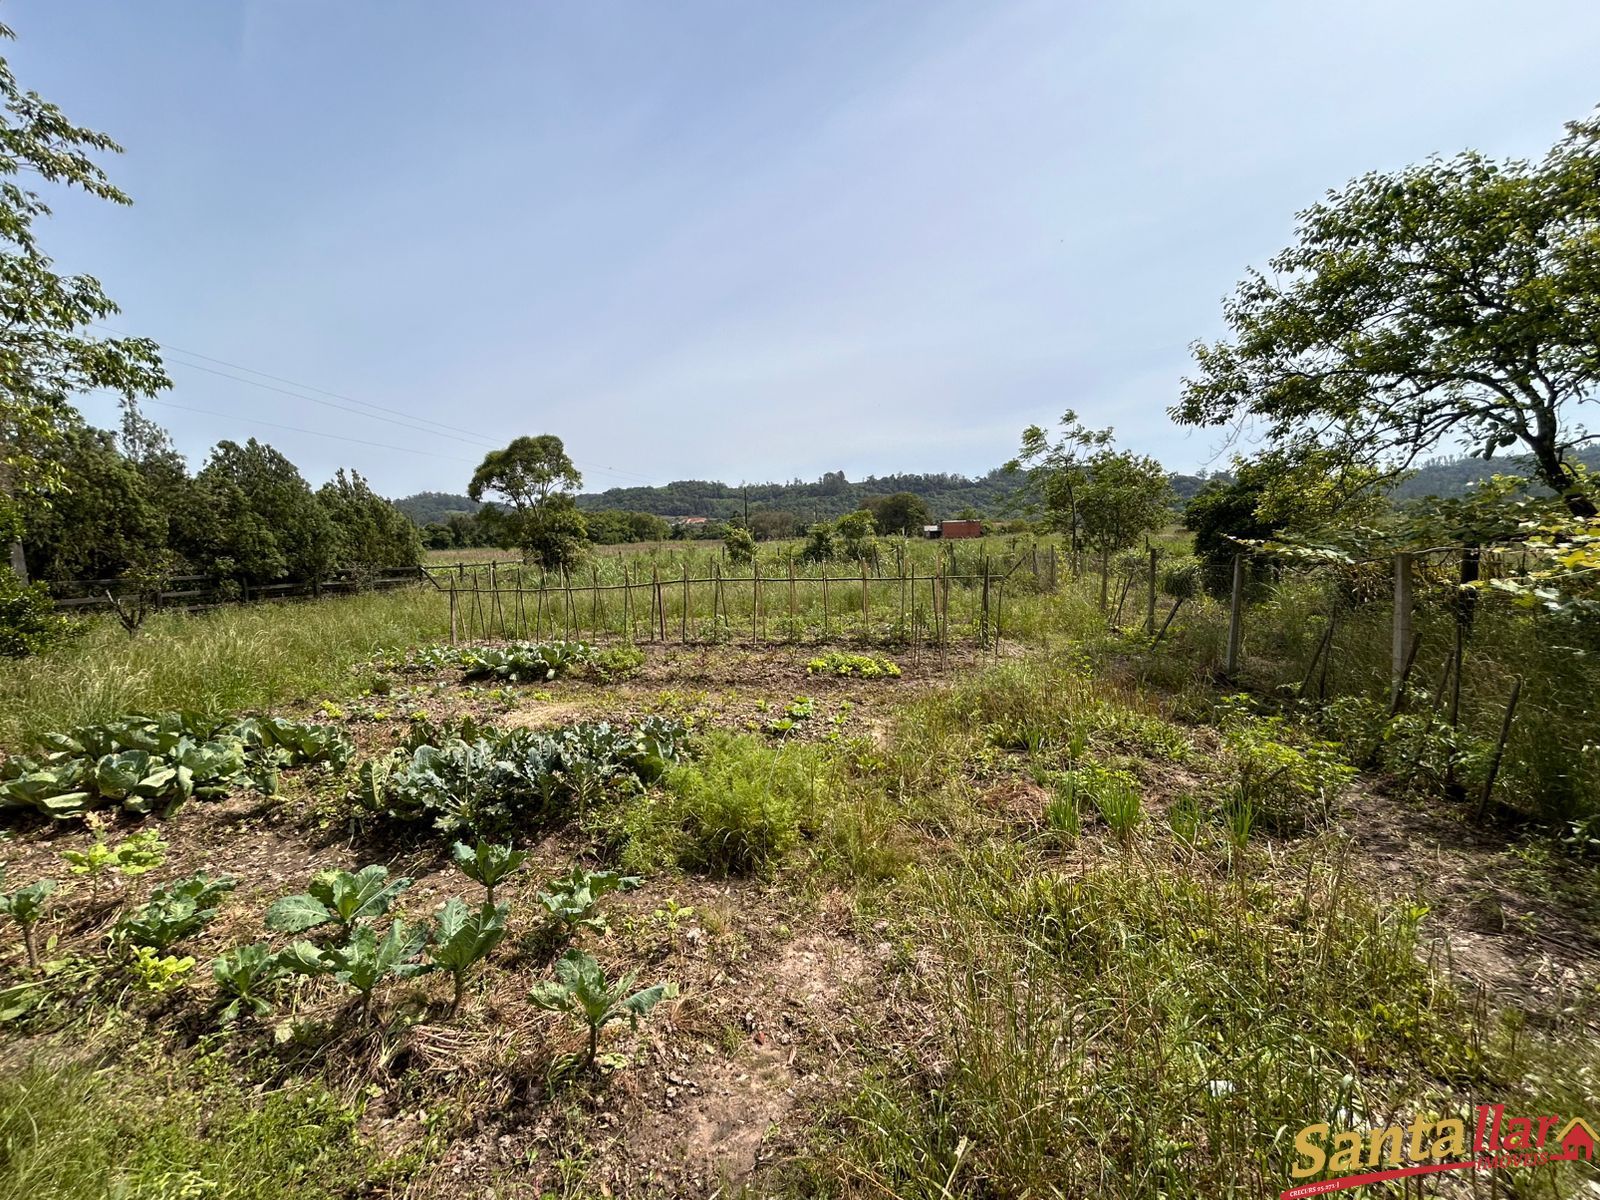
831,496
427,507
1450,477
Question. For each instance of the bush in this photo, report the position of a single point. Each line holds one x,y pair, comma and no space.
29,623
738,810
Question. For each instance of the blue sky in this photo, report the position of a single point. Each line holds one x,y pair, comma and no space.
741,241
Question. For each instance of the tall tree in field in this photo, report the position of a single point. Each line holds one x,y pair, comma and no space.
1058,471
902,513
370,534
1124,497
536,479
46,350
1453,302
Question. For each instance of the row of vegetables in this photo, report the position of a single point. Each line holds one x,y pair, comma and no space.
140,763
340,931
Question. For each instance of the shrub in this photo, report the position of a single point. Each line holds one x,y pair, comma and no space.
29,623
740,808
1286,788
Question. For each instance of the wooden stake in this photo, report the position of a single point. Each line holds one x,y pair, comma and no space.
1402,618
1235,617
1150,596
1500,746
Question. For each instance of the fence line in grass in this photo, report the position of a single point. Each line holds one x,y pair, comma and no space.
921,609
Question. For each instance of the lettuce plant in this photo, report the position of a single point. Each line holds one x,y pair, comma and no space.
463,938
581,991
173,912
158,974
244,977
128,858
25,906
342,896
487,863
573,898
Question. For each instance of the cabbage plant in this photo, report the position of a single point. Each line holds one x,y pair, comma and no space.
488,863
245,976
25,906
573,898
364,961
581,991
463,938
344,897
174,911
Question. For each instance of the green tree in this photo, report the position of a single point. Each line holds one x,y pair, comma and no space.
740,544
901,513
257,520
822,544
100,520
856,540
370,533
770,524
1125,497
534,476
46,351
1056,473
1455,301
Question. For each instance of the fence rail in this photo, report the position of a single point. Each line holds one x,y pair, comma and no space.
95,595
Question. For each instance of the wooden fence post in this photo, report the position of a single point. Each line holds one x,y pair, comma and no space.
866,623
983,621
1150,596
1402,621
1235,617
661,605
452,612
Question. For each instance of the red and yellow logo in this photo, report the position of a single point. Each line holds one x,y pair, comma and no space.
1424,1147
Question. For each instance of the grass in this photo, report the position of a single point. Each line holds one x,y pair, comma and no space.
81,1134
231,659
1138,1028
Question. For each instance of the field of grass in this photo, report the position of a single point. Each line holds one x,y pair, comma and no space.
1062,916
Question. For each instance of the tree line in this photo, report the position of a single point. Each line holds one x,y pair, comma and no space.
125,507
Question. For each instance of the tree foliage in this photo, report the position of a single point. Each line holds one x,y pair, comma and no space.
1455,302
47,353
536,479
902,513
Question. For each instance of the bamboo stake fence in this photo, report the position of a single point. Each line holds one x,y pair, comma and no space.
864,605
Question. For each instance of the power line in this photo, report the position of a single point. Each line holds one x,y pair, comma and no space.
312,432
178,362
455,432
